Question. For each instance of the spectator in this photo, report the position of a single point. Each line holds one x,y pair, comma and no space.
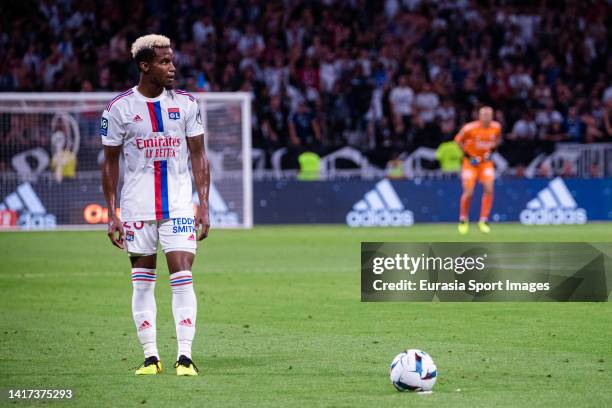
521,142
552,134
355,63
329,72
575,126
524,129
402,98
276,76
607,119
445,115
426,103
607,96
202,30
546,116
541,91
274,124
52,66
520,82
251,40
593,125
304,131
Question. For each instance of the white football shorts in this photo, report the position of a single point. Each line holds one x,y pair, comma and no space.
174,234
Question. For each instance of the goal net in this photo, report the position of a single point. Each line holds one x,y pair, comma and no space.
50,156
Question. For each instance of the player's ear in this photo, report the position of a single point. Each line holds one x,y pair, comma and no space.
144,66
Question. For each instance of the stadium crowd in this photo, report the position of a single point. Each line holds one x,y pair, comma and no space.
383,76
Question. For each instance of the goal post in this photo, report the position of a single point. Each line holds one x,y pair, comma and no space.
50,156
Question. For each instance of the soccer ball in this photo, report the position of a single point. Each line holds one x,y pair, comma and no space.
413,370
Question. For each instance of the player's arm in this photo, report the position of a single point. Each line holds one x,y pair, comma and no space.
110,179
460,140
112,132
194,130
201,174
460,137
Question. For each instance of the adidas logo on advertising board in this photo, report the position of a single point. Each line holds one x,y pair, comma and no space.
553,205
380,207
32,212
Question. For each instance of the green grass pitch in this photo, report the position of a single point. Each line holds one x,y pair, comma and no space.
280,323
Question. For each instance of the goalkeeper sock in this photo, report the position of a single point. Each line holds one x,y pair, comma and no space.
485,206
184,309
464,207
144,309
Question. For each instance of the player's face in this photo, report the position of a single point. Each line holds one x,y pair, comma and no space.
162,68
485,115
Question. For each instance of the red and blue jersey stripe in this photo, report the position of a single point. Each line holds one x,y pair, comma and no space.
185,93
116,98
155,114
161,190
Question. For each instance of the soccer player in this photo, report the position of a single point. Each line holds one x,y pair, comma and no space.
478,140
155,129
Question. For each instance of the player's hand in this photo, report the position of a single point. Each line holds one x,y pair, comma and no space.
115,231
202,220
474,161
487,156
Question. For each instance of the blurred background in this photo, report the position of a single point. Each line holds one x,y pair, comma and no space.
348,91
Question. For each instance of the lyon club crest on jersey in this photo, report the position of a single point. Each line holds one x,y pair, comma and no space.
174,113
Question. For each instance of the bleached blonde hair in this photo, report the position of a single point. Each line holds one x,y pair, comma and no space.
149,41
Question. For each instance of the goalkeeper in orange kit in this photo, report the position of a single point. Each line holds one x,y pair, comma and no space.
478,140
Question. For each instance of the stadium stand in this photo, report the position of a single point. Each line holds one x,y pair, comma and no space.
384,77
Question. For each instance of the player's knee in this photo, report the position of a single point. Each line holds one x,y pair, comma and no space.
179,261
468,191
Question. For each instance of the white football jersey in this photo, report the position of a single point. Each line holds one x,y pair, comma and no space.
153,132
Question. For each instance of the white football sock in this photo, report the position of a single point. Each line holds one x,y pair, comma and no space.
144,309
184,309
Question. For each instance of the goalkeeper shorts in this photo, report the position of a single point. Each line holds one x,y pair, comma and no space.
482,172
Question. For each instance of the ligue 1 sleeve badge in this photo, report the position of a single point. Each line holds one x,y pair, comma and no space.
104,127
174,113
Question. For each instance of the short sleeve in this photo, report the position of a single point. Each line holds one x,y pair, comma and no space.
112,130
193,125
